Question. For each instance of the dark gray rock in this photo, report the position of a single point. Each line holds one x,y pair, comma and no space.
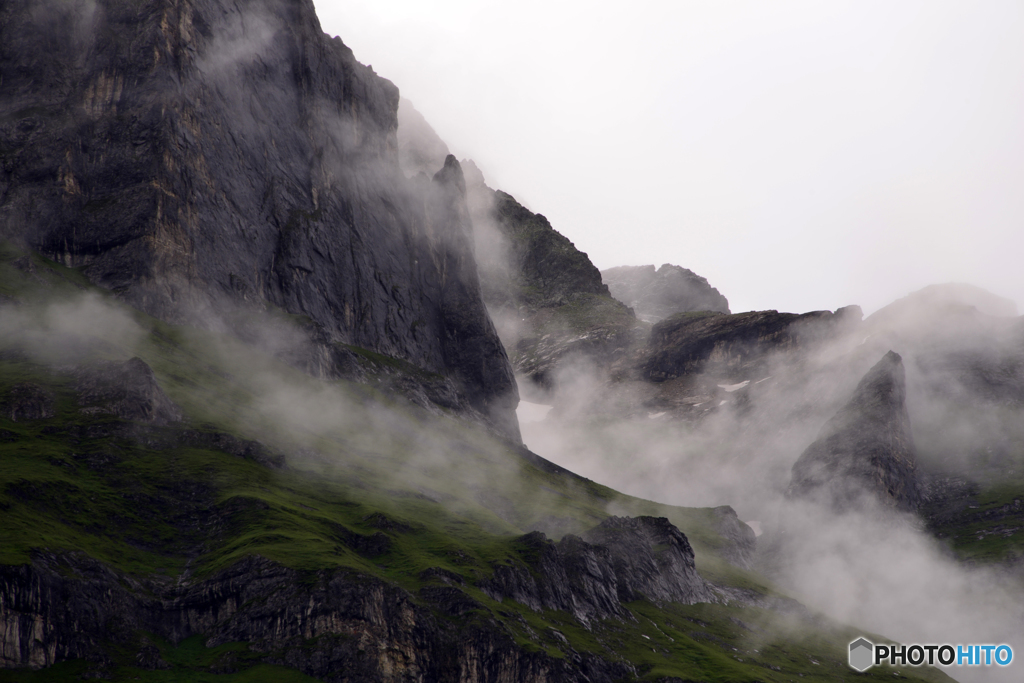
570,575
470,343
549,304
204,158
866,449
656,294
620,560
27,401
127,389
539,267
734,346
333,625
652,559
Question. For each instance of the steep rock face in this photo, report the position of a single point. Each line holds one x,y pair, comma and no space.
570,575
200,157
551,308
657,294
470,342
620,560
550,305
535,266
732,346
867,447
336,626
524,263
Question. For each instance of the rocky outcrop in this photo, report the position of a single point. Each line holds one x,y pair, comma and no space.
549,304
202,158
127,389
866,449
734,346
524,263
652,559
333,625
656,294
339,625
27,401
570,575
740,541
535,266
621,560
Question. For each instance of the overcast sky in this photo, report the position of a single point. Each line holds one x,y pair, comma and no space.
800,155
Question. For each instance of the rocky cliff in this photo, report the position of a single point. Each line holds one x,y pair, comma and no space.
656,294
867,448
549,303
551,308
202,158
340,625
621,560
336,626
734,346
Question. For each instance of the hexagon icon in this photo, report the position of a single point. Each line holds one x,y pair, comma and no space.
862,654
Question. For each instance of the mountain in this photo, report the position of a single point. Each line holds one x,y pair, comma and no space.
657,294
203,509
256,422
211,163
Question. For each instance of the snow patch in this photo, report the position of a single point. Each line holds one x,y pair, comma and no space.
764,380
654,416
722,402
729,388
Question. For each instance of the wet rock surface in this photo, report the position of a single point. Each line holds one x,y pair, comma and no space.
867,448
655,294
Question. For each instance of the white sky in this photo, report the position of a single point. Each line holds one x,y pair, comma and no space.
801,155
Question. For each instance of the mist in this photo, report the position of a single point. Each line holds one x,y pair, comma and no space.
734,439
800,156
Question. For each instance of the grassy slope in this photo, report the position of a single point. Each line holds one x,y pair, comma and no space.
461,497
987,525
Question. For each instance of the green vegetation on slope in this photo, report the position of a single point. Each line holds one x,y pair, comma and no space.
372,485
